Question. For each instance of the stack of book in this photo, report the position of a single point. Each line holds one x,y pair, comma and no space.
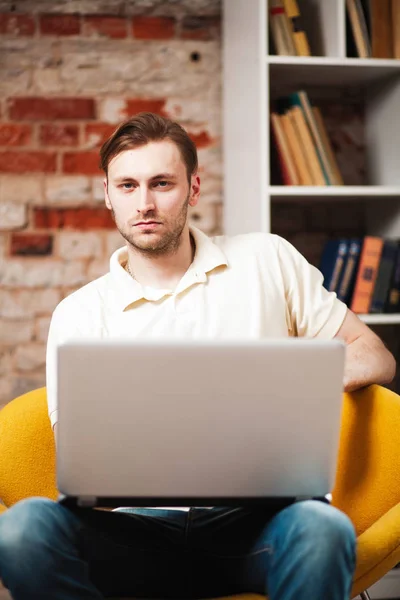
305,153
364,273
374,28
287,33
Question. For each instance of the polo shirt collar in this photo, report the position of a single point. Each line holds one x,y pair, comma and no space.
208,257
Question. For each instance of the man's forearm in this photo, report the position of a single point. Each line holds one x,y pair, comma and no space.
366,363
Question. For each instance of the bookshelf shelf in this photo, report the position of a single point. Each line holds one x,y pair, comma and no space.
328,71
332,192
375,319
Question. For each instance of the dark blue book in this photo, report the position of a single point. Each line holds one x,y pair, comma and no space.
332,262
348,278
392,304
384,277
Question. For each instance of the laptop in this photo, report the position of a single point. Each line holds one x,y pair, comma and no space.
197,423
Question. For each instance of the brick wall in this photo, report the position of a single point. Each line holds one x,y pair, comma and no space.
66,81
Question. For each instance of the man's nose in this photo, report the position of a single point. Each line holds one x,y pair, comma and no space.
146,200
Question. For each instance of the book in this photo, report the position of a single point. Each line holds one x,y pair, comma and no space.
301,99
396,28
299,158
381,28
337,176
366,274
359,28
392,304
384,276
280,29
308,147
298,34
286,161
349,271
332,262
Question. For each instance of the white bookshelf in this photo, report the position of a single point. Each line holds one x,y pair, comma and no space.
253,78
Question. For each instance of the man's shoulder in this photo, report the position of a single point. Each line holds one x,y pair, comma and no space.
247,243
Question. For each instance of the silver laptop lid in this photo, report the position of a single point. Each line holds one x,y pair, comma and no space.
197,423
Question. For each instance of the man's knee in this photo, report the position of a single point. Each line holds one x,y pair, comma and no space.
29,527
324,522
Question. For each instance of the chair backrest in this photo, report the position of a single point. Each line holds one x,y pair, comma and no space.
27,449
368,474
367,480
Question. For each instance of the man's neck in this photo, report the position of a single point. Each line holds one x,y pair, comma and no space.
164,271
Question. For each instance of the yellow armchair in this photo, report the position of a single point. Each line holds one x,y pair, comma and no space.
367,486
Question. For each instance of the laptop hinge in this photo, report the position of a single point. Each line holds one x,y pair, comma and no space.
86,501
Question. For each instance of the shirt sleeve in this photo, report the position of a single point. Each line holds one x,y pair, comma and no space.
312,310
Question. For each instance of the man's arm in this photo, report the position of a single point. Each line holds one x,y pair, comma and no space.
367,359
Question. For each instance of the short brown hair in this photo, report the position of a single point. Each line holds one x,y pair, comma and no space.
148,127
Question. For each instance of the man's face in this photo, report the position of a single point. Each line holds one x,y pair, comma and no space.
148,192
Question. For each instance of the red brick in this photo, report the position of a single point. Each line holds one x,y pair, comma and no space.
12,134
153,28
202,139
97,133
82,219
27,162
201,28
84,163
47,109
110,27
154,105
31,244
17,24
59,135
60,24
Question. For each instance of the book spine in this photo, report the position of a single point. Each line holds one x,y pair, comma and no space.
396,28
347,281
337,176
359,28
393,298
366,275
304,176
280,28
299,35
287,164
381,28
382,285
313,126
309,148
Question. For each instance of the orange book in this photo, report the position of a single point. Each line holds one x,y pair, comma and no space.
366,275
296,149
285,156
307,143
381,27
396,28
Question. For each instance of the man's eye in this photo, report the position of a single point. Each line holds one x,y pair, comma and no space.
127,186
162,183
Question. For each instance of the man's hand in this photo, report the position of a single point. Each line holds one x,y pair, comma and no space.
367,359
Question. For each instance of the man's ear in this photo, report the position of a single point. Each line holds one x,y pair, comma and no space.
106,198
194,189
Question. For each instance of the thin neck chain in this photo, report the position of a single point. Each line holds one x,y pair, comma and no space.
129,269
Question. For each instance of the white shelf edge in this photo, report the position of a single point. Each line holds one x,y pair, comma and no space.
333,61
333,190
378,319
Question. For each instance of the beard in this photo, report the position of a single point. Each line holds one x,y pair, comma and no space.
156,244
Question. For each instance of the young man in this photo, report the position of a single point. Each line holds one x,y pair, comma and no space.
172,280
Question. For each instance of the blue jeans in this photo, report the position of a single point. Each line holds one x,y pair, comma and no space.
305,551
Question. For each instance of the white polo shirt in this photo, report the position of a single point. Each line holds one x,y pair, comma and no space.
248,286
